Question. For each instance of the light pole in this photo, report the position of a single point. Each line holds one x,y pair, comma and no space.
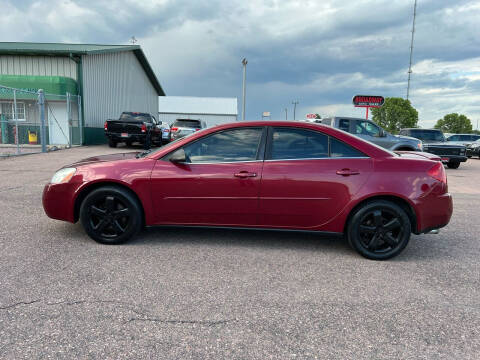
244,88
294,108
286,114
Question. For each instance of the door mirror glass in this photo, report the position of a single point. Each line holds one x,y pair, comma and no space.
178,156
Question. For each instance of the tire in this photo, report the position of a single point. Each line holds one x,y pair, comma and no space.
453,164
112,143
148,142
129,143
379,230
111,215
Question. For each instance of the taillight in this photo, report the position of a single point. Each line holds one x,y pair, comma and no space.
438,172
105,126
197,129
174,128
144,128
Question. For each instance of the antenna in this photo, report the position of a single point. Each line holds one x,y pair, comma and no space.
133,40
411,47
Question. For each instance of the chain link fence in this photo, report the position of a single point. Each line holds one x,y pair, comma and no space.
33,122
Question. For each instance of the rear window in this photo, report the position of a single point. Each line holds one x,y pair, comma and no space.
187,123
432,135
135,117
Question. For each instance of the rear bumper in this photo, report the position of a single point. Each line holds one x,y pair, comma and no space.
433,212
130,137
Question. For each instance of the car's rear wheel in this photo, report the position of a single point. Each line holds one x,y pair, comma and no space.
111,215
129,142
112,143
453,164
379,230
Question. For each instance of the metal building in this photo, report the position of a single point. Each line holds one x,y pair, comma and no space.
107,79
213,110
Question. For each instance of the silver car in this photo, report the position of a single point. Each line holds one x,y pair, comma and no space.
462,139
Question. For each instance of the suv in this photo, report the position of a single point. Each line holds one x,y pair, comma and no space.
434,142
370,131
184,127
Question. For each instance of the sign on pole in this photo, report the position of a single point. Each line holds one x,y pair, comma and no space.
368,101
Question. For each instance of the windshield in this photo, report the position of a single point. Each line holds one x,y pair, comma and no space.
187,123
429,135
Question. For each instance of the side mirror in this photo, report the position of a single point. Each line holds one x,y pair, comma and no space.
382,133
178,156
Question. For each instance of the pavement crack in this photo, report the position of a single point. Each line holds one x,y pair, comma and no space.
18,304
164,321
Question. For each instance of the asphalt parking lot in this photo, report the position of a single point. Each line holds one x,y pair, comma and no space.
226,294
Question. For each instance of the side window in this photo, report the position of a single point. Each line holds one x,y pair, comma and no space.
367,128
339,149
453,138
344,124
225,146
291,143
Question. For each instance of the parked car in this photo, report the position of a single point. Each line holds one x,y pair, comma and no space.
262,174
183,127
473,149
434,142
135,127
462,139
370,131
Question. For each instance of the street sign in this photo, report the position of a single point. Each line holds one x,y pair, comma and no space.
368,101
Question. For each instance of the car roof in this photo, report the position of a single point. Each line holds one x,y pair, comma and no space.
367,147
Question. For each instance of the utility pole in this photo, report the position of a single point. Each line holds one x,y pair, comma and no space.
286,115
411,47
294,108
244,89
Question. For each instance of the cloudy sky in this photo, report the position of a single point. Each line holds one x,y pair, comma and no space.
319,52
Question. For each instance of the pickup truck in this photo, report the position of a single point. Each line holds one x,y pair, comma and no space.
434,142
136,127
370,131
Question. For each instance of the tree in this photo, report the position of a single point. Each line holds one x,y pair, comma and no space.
454,124
395,114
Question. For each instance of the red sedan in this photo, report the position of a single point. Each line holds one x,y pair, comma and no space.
263,174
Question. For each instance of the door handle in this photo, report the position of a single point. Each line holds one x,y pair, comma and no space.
347,172
244,174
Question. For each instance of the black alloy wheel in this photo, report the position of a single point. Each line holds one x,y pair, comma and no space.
111,215
379,230
128,142
112,143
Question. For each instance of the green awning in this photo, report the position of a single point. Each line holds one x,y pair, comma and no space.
57,85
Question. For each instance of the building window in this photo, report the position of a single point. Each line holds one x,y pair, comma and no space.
6,109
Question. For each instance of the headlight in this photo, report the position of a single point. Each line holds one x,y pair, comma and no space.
63,175
419,146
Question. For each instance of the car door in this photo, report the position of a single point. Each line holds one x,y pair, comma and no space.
308,178
217,185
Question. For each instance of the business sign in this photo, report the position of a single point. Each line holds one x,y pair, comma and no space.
368,101
266,114
313,116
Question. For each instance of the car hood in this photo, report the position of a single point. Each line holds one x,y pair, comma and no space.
105,158
403,137
418,155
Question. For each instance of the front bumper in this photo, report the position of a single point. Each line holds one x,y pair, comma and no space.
58,201
453,158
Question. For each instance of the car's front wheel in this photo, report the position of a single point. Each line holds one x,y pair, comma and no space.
453,164
111,215
379,230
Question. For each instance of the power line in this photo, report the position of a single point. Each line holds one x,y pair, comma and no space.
411,47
